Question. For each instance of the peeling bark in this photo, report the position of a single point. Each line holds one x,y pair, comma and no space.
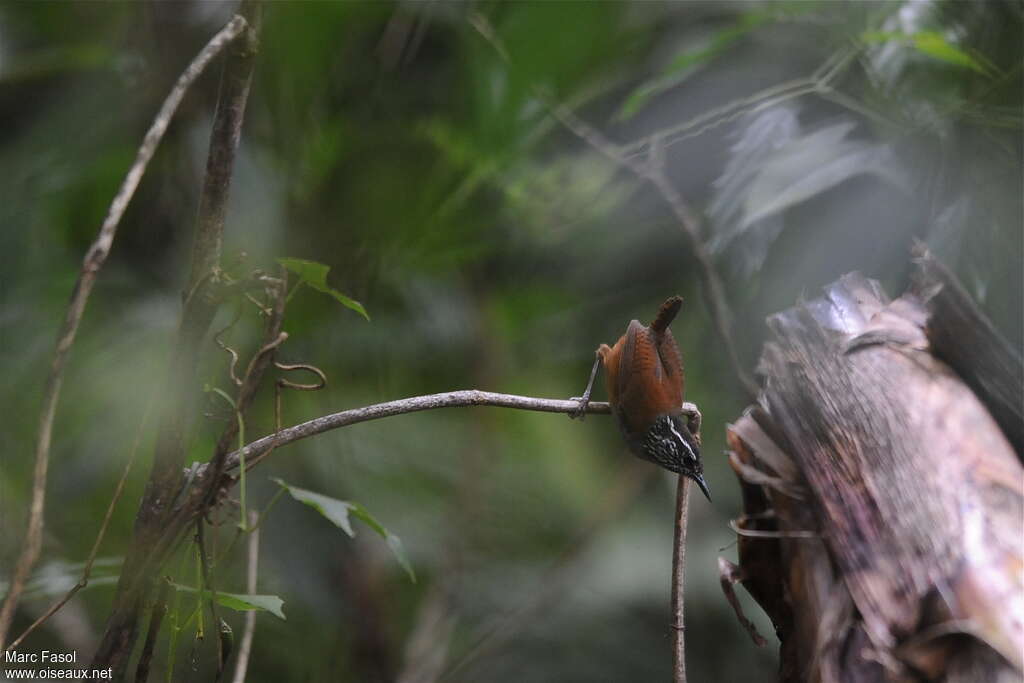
888,487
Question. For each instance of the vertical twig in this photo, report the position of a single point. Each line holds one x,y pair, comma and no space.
224,139
91,265
155,621
252,574
678,582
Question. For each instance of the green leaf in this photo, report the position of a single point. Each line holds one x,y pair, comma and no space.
242,602
315,275
248,603
338,511
333,509
930,43
395,543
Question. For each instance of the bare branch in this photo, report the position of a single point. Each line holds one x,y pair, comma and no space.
678,582
414,404
91,265
224,139
694,420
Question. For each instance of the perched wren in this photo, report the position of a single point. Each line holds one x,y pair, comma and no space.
644,374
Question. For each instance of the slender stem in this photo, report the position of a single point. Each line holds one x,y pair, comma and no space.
678,582
210,586
224,138
245,648
155,621
241,473
176,622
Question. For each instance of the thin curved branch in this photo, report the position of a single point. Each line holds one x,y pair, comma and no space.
91,265
414,404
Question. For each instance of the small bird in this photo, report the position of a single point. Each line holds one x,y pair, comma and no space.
644,375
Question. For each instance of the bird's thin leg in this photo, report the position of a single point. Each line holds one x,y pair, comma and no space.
581,411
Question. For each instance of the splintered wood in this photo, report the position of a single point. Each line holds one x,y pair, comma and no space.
883,500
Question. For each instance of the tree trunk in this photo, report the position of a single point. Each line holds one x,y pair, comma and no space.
883,498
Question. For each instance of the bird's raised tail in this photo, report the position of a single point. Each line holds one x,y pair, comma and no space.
667,313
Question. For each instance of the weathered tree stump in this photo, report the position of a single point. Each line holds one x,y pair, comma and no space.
882,528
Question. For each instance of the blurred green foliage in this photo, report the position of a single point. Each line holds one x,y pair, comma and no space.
493,249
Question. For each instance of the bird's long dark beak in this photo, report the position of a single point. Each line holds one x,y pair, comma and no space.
699,478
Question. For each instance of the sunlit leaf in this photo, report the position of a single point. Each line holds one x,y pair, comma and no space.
930,43
315,275
242,602
338,512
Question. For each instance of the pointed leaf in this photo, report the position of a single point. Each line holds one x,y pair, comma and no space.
315,275
251,602
333,509
241,602
395,543
338,511
935,45
930,43
363,514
